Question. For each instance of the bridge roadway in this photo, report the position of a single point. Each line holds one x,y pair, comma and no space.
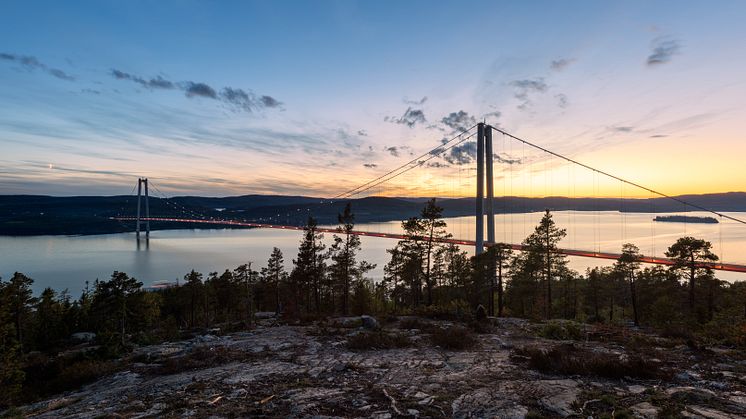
730,267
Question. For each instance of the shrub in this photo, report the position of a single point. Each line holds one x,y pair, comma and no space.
377,340
412,323
454,338
204,357
569,359
556,330
481,327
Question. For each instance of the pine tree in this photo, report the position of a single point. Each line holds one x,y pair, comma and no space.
245,278
20,300
310,264
11,357
345,269
193,286
627,264
690,257
501,254
112,303
434,228
275,274
543,242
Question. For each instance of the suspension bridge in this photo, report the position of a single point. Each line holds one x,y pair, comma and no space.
455,153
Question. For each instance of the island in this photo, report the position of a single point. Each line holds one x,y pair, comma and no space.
685,219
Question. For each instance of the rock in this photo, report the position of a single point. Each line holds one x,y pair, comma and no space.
488,403
83,336
719,385
207,338
697,412
369,322
687,376
644,410
636,389
350,322
560,396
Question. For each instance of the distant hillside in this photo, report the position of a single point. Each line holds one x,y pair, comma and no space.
37,214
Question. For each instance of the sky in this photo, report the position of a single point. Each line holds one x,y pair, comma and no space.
316,97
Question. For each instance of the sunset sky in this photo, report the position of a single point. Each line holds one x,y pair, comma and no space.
229,98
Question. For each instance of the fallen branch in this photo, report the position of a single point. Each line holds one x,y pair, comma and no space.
216,399
393,403
266,399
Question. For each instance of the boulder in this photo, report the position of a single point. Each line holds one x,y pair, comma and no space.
369,322
83,336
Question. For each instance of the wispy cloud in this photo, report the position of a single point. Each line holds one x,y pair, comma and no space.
663,50
410,118
562,100
370,165
32,63
524,88
236,98
561,63
416,102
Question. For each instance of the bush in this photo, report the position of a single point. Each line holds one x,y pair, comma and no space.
412,323
205,357
569,359
454,338
377,340
481,327
556,330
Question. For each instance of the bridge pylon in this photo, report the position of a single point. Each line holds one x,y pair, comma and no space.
484,158
139,221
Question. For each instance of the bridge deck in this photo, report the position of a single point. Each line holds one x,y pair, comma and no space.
730,267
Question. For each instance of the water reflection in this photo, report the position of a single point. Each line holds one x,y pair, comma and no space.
68,261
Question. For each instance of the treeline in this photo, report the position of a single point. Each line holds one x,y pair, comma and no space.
425,275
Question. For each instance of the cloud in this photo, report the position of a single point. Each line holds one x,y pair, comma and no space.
506,159
462,154
362,133
659,136
622,129
410,118
526,87
201,89
32,63
663,50
416,102
394,151
561,63
370,165
436,164
459,121
561,100
492,117
154,83
238,99
270,102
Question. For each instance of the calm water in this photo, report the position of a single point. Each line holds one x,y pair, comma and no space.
68,261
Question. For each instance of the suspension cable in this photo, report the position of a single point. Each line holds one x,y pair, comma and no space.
437,150
637,185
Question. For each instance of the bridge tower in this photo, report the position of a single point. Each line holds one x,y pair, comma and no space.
484,158
140,183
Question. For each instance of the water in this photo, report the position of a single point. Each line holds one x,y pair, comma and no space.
64,262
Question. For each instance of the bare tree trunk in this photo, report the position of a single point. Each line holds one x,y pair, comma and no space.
634,299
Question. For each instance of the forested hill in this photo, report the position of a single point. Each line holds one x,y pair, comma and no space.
37,214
